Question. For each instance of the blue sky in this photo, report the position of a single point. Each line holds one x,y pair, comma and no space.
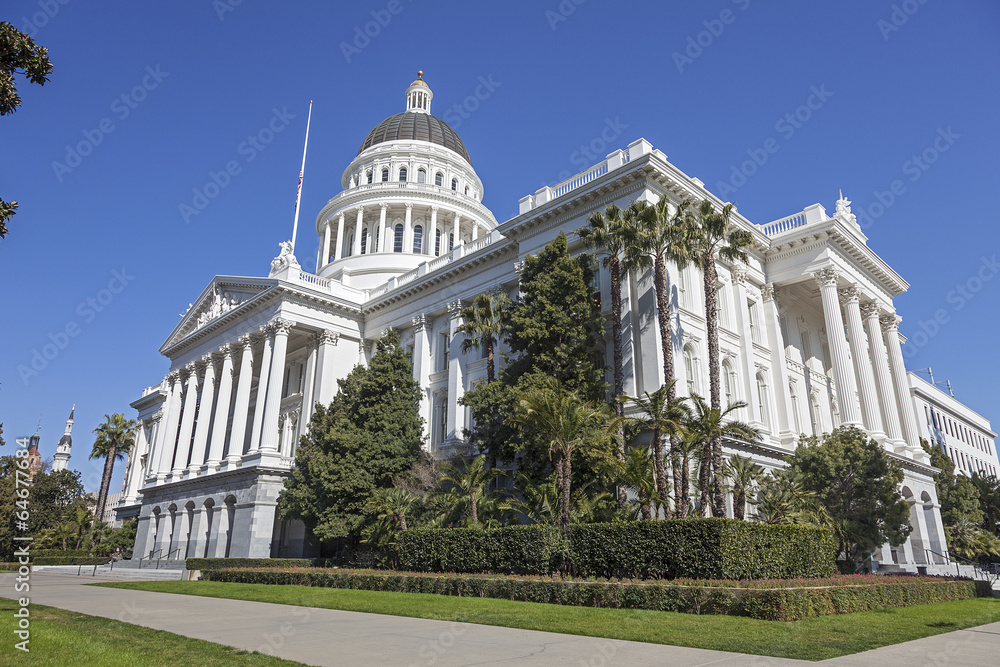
148,100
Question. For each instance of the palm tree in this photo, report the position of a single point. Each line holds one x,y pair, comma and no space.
637,472
612,231
711,425
688,448
483,323
115,439
472,480
539,503
711,237
64,531
83,521
565,421
784,500
967,541
662,415
392,504
659,237
745,475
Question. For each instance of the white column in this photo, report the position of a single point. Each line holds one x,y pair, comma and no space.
258,410
843,371
204,416
456,232
338,250
422,370
383,240
187,422
241,408
269,432
133,472
408,229
309,387
475,230
168,437
431,234
880,363
357,231
149,469
326,246
325,380
740,279
859,352
782,398
220,418
890,330
456,412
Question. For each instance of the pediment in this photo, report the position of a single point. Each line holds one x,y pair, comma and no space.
223,296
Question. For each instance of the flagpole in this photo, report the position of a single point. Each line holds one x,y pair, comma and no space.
298,193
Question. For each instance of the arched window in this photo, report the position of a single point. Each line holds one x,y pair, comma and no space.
466,189
397,241
451,241
454,184
689,370
728,382
385,174
437,244
438,178
370,176
402,174
364,241
349,250
418,240
763,400
421,175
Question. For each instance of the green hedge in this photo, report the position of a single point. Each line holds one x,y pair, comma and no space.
69,560
508,550
217,563
778,604
697,548
64,553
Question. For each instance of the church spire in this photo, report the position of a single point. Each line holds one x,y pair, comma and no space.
61,459
419,95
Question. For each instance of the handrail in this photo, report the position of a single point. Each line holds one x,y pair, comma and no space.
975,566
149,557
93,561
167,557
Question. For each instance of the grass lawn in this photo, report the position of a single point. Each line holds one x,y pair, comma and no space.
808,639
61,637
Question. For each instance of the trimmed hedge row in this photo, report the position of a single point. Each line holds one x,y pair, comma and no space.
217,563
79,553
510,550
775,604
697,548
69,560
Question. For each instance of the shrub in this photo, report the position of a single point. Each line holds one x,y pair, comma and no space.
217,563
776,600
80,553
509,550
68,560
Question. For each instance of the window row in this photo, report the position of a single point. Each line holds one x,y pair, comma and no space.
403,176
444,241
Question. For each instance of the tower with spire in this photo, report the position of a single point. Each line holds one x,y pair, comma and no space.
61,459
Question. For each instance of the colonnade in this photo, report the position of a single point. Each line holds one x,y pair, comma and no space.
424,355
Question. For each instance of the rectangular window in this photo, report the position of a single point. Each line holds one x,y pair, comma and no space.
444,351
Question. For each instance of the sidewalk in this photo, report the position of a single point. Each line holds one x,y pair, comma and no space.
331,637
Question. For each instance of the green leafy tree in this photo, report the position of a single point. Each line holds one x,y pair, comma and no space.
54,499
783,499
710,425
637,473
958,495
858,485
967,540
746,476
18,55
664,417
711,237
369,433
115,439
988,488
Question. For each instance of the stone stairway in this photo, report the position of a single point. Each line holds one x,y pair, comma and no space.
119,572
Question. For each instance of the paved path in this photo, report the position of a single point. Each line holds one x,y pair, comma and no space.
332,637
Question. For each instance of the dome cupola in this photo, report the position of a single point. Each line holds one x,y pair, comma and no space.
419,95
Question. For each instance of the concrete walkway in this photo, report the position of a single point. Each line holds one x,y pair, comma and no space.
331,637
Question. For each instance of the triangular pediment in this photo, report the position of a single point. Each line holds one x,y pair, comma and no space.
224,295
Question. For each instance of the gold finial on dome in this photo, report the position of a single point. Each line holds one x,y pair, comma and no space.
419,95
420,74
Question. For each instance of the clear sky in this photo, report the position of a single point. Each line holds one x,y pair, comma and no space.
148,100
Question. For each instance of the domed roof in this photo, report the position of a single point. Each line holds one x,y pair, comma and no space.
416,126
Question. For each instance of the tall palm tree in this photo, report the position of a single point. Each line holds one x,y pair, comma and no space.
612,231
565,421
115,439
660,237
483,323
745,475
472,480
664,416
710,425
637,472
83,521
711,237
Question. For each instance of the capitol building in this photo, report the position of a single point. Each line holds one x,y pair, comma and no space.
808,335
